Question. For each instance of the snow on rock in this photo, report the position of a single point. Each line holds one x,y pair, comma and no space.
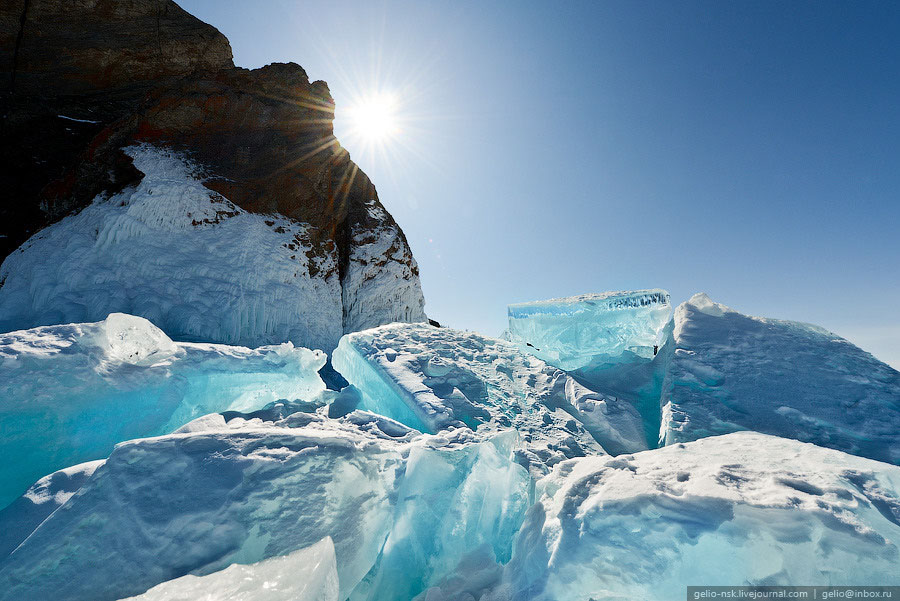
69,393
733,372
309,574
194,503
573,332
744,508
184,257
381,280
437,379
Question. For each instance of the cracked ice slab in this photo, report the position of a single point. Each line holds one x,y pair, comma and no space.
69,393
734,372
439,379
573,332
743,508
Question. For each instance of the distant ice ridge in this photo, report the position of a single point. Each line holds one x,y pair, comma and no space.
732,372
438,379
573,332
201,268
69,393
309,574
745,508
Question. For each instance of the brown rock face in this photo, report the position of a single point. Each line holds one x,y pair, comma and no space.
85,78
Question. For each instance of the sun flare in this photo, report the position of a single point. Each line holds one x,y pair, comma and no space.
374,118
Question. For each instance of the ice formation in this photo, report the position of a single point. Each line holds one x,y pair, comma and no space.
69,393
733,372
306,575
402,508
196,502
436,379
200,268
716,511
574,332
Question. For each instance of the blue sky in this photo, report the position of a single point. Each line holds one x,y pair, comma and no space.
750,150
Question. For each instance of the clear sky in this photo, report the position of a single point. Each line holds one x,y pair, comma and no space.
750,150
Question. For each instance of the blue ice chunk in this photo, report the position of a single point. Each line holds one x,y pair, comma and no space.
440,379
739,509
198,501
573,332
69,393
450,502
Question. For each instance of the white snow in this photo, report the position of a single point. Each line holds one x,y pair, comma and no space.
381,283
182,256
436,379
309,574
733,372
741,509
69,393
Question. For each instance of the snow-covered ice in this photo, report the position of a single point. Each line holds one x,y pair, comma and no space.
184,257
744,508
309,574
733,372
196,502
436,379
68,393
573,332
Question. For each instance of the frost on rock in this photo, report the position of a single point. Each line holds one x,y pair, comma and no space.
69,393
733,372
574,332
438,379
309,574
184,257
194,503
745,508
381,281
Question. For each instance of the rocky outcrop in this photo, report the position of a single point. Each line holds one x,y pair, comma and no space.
86,79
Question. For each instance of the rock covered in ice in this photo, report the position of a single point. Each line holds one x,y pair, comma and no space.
734,372
437,379
69,393
194,503
309,574
190,261
573,332
744,508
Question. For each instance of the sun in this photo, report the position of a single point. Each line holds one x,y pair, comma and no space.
374,118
